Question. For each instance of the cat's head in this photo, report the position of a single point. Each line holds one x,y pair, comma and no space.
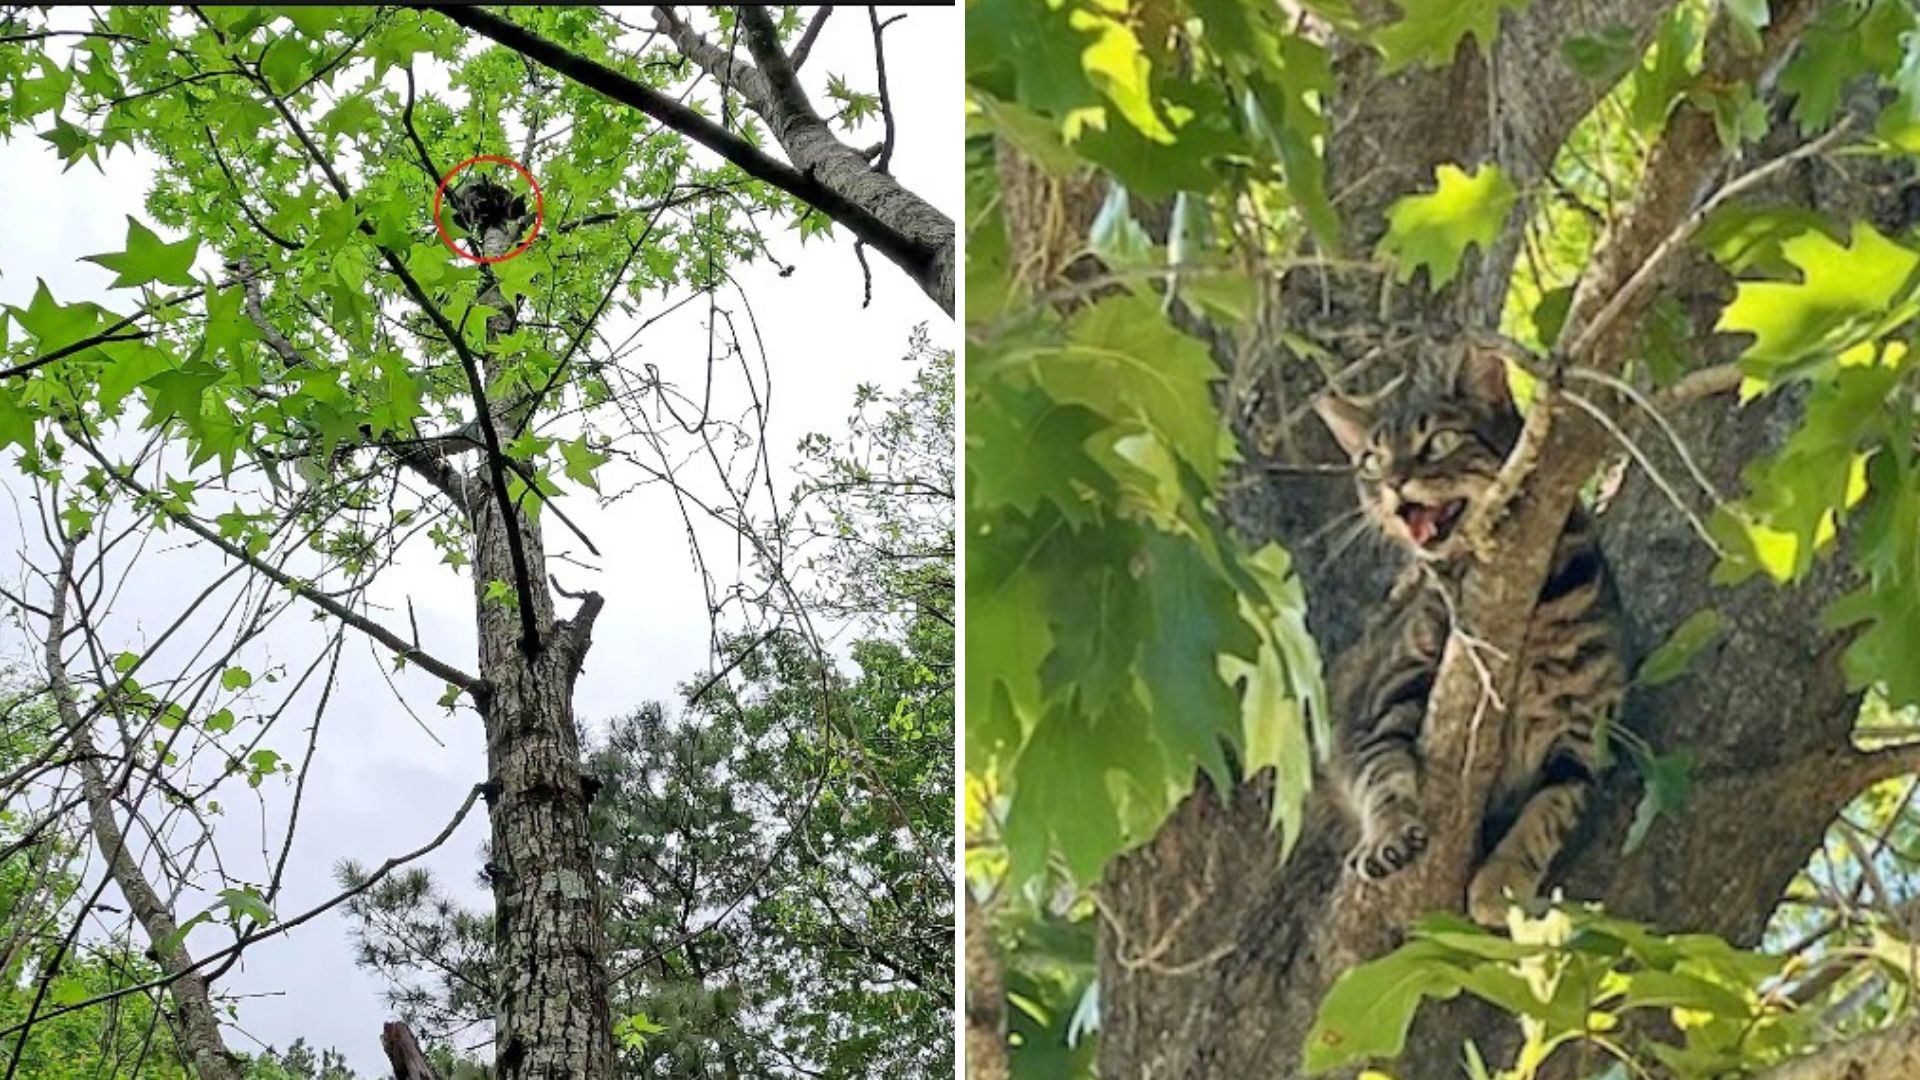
1425,451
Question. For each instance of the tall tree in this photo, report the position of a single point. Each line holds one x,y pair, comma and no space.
766,916
1645,207
352,352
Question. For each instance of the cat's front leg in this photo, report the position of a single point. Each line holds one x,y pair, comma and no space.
1512,874
1384,787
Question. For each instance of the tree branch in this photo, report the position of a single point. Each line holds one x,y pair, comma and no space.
804,48
926,254
400,646
1872,766
1891,1053
259,933
886,100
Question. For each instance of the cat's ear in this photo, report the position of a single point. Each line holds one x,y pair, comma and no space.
1347,419
1482,377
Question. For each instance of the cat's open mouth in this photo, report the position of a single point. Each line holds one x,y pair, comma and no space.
1430,524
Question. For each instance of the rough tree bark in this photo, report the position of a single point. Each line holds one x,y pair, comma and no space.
1766,712
552,1016
199,1028
986,1042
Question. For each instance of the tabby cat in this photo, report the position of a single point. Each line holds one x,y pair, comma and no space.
1423,453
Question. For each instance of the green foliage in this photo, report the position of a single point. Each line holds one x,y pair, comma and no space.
1435,230
1120,640
1229,101
1430,31
1670,660
762,908
149,259
247,111
1110,570
1571,976
1837,321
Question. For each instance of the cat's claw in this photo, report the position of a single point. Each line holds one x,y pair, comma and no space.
1388,850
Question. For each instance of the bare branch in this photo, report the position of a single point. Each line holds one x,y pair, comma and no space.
400,647
886,100
804,48
261,933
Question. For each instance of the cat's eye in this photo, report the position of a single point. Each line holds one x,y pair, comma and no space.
1442,443
1372,462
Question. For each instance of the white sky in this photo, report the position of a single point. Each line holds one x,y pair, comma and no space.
380,785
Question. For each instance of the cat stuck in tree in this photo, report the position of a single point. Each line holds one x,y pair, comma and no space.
1424,452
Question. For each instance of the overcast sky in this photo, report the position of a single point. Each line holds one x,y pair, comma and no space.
381,783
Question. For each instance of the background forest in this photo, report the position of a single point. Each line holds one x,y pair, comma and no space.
552,653
1690,230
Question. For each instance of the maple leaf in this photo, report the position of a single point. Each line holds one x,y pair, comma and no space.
1434,230
1847,294
148,258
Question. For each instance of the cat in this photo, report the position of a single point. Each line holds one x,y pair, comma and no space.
1423,453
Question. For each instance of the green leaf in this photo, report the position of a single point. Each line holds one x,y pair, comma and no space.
1011,427
632,1031
1194,620
285,64
1365,1016
236,678
1124,360
1116,65
174,940
1115,236
178,392
246,904
1434,230
1430,31
1672,658
1847,295
1070,791
581,461
1663,80
1748,18
148,259
1602,57
502,594
68,141
1005,645
54,324
1668,780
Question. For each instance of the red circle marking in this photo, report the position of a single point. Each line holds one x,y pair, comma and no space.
539,208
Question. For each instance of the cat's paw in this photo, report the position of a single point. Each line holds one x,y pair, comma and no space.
1388,847
1497,886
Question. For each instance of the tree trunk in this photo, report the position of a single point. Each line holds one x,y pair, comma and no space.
552,1015
199,1030
986,1033
403,1053
1765,712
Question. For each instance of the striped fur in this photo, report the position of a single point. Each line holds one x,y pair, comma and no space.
1423,454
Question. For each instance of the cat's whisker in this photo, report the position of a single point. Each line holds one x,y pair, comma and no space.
1358,530
1336,522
